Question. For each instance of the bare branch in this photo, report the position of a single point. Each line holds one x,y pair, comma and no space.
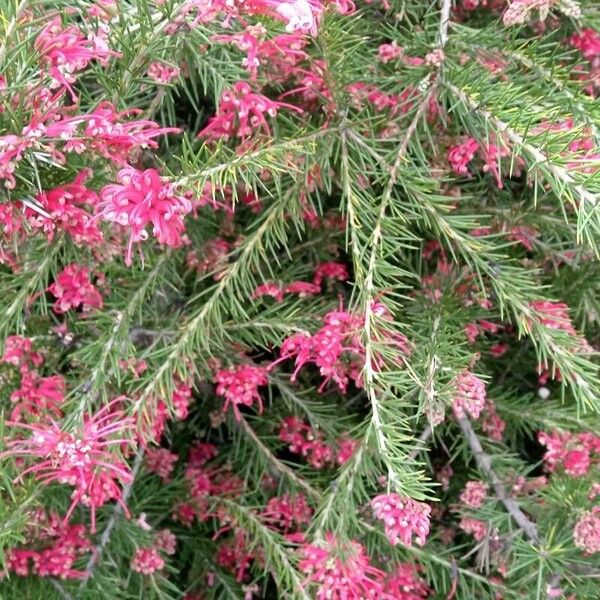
484,462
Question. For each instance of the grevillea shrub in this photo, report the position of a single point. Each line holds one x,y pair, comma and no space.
299,299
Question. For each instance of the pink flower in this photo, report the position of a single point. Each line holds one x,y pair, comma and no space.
201,452
336,349
330,270
66,51
389,52
300,15
162,73
147,561
82,460
116,139
239,385
340,573
73,288
269,289
492,154
478,529
182,396
554,315
241,112
63,206
586,534
18,351
57,547
469,396
287,511
302,288
161,462
471,332
474,494
587,42
404,583
346,449
403,518
461,155
493,424
38,397
166,541
303,440
141,198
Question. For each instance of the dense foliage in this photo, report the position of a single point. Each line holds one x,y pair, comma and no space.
299,299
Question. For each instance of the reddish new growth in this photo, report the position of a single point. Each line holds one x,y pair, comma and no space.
142,198
340,573
83,460
239,385
403,518
469,396
73,289
241,112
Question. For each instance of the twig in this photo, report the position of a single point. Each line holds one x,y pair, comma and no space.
421,442
484,462
97,552
279,465
444,22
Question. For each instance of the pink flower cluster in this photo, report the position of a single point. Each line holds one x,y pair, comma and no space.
83,460
469,395
461,155
65,51
141,198
61,210
341,572
287,512
587,41
586,533
147,561
302,439
574,453
161,462
474,493
73,289
475,527
52,550
403,518
241,112
239,386
38,397
336,349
